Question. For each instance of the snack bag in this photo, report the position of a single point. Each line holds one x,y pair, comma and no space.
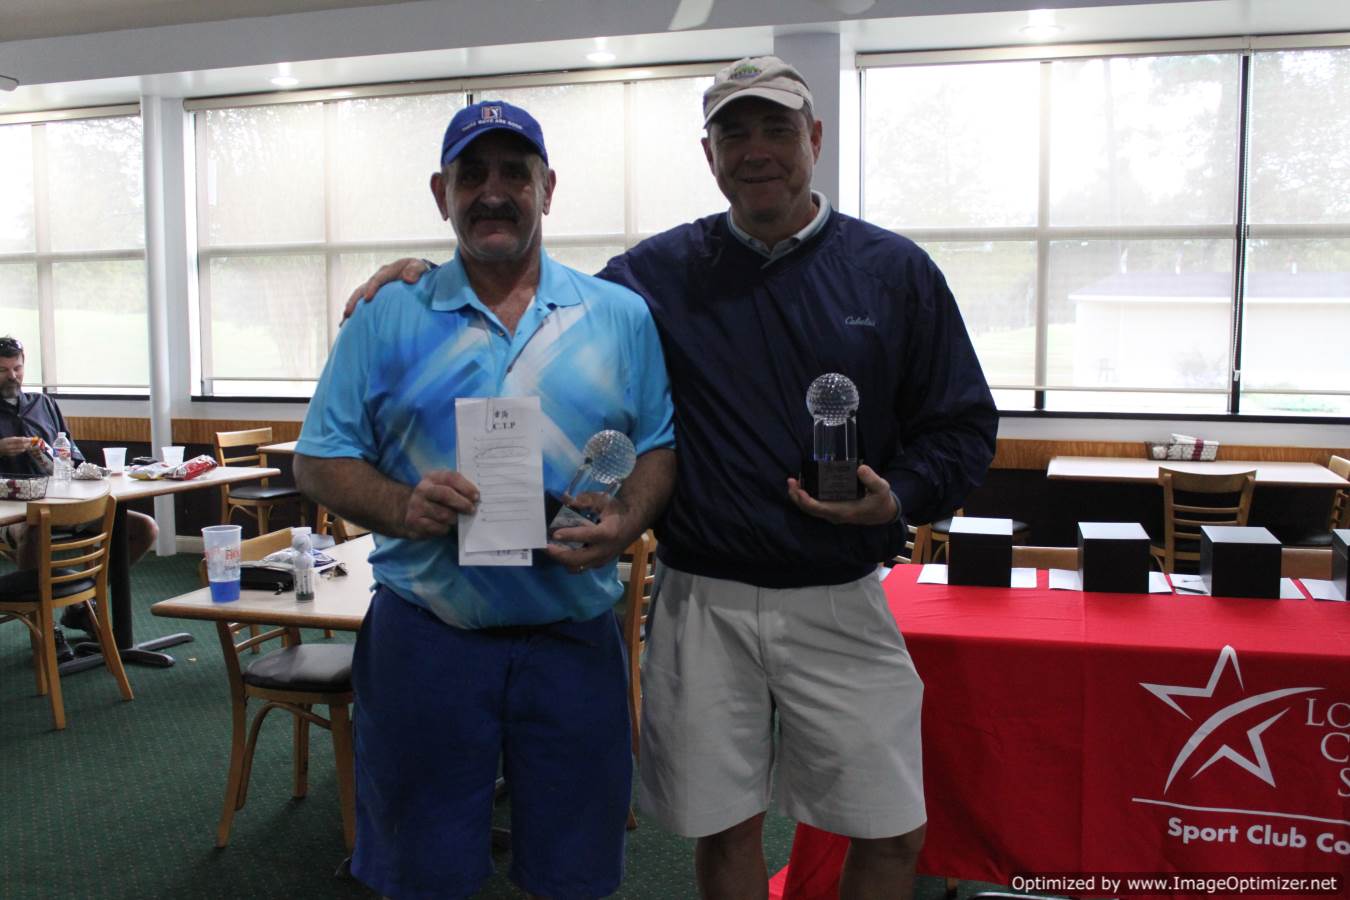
41,453
151,471
192,468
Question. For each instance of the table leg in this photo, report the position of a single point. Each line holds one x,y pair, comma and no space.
119,596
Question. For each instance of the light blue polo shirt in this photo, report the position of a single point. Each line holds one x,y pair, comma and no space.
587,348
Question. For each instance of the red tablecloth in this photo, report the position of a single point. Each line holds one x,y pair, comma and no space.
1070,732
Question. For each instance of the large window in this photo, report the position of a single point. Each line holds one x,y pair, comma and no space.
1086,213
298,203
72,253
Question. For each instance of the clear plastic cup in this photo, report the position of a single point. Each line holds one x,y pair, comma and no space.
221,544
172,455
115,458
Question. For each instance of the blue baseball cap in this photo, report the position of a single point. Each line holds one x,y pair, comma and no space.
472,122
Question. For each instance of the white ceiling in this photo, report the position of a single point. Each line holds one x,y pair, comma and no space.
26,19
377,41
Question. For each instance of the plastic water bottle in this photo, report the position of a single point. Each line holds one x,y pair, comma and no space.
61,457
304,568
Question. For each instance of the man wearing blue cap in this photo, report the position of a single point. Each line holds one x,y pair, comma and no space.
458,666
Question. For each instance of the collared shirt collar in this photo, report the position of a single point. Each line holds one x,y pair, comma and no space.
452,291
787,244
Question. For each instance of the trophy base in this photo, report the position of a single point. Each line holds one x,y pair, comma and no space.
560,515
832,481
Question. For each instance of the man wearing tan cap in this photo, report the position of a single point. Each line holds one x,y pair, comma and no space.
773,657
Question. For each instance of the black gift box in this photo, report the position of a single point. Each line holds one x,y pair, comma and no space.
1239,562
1340,538
979,551
1113,557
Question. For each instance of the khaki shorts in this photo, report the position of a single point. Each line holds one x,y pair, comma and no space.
723,657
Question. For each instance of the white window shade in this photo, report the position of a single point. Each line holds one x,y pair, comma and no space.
951,146
383,152
264,175
1300,138
583,128
17,233
72,250
94,178
1144,141
672,183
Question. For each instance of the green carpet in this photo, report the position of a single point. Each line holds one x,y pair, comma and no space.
124,802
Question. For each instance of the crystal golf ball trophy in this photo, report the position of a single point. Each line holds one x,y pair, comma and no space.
832,471
607,460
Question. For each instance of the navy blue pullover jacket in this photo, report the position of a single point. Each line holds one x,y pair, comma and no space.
37,414
743,341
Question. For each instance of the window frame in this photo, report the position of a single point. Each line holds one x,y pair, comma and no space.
43,258
1043,234
203,369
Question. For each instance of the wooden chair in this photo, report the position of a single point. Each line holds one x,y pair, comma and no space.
1340,505
342,530
640,558
1339,516
941,530
72,569
255,499
917,547
1182,521
1305,562
1045,557
294,678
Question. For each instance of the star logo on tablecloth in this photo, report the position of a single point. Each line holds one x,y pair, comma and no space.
1256,762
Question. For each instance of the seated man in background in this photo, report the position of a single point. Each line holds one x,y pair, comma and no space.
24,416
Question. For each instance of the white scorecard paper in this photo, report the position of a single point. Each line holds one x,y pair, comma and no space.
1070,580
1184,583
936,573
500,452
1321,589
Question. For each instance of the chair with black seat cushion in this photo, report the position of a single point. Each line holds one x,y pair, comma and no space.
255,499
1339,516
72,569
940,531
294,677
1194,499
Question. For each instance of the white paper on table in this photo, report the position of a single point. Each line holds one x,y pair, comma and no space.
1321,589
933,573
1065,580
1022,578
500,451
1289,590
1189,584
1072,580
494,557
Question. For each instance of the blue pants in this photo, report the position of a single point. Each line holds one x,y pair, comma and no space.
438,708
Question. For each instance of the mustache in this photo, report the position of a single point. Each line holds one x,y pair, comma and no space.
504,211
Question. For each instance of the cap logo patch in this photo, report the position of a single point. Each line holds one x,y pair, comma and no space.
491,114
746,71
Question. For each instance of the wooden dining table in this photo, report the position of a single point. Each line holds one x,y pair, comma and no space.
340,601
125,488
1139,470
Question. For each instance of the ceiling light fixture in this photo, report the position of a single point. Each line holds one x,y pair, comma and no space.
1040,25
601,56
285,81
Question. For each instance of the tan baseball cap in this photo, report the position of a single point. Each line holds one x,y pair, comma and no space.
756,76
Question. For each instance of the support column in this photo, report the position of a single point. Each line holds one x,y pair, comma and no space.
826,60
164,133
